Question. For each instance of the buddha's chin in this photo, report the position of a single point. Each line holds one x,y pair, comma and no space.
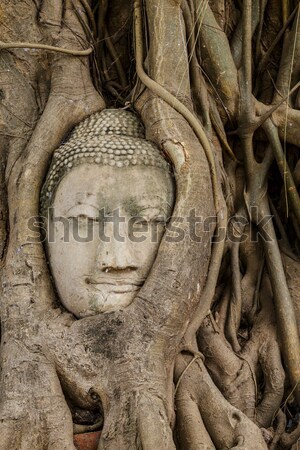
113,301
102,302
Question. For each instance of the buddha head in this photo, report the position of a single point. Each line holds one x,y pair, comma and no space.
107,198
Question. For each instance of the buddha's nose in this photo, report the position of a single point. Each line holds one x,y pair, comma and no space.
115,253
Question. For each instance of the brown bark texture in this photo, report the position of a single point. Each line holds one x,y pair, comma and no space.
207,355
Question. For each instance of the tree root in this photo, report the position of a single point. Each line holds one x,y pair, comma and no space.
49,48
227,426
237,375
124,361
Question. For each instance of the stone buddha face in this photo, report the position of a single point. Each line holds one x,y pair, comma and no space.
108,216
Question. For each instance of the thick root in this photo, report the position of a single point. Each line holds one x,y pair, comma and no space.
227,426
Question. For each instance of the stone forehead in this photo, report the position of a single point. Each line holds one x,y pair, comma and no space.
111,137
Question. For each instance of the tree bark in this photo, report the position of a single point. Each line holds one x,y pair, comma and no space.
196,360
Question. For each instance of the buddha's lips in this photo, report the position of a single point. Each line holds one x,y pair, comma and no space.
114,282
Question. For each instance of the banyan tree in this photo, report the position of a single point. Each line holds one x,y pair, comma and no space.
150,224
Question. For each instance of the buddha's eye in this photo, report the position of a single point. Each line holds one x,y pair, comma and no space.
152,215
161,220
156,220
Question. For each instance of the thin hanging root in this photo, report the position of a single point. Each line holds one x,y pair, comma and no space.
285,10
263,5
185,370
50,48
221,135
235,307
90,15
260,120
116,60
287,247
266,56
272,134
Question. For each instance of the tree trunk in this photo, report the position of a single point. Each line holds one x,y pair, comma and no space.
208,351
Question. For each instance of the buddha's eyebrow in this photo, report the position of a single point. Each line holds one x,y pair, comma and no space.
161,207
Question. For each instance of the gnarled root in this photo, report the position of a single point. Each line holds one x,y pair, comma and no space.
238,375
227,427
137,420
